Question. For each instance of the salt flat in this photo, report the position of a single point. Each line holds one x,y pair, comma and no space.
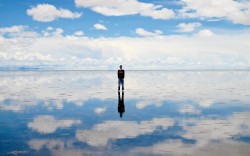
165,113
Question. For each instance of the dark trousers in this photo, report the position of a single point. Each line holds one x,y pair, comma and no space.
120,82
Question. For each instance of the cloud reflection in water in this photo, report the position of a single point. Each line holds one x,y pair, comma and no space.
167,113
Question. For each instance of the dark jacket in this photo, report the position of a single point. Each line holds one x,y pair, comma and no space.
121,74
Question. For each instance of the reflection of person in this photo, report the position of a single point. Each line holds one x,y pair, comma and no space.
121,106
121,75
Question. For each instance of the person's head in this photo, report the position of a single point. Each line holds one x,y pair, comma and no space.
120,66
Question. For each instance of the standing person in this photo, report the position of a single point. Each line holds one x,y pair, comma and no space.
121,75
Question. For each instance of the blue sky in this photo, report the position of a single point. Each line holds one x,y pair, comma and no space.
140,34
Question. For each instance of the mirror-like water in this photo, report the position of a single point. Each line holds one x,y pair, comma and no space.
160,113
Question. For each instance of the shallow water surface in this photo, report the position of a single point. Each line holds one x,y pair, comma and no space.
160,113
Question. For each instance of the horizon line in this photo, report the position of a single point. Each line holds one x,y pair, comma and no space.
127,70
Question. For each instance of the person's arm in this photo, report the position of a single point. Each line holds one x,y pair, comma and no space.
123,73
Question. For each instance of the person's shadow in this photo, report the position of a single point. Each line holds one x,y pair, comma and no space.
121,106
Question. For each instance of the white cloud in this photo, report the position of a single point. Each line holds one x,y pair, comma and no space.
235,11
62,147
100,110
156,13
48,124
126,7
188,27
49,144
17,31
143,32
205,132
206,102
18,105
205,33
168,147
79,33
13,29
145,103
49,28
100,26
178,148
48,13
178,86
189,109
53,48
53,32
53,104
101,133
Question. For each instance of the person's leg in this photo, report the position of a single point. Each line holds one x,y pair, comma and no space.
119,84
122,84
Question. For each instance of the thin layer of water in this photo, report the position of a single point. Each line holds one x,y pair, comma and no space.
164,113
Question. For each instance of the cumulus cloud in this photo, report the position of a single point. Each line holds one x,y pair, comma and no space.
178,148
48,124
17,31
13,29
159,51
100,26
48,13
79,33
178,86
143,32
49,28
17,105
126,7
101,133
205,33
189,109
216,135
38,144
146,103
235,11
205,132
188,27
157,13
62,147
100,110
53,32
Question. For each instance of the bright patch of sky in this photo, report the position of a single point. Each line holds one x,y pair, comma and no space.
140,34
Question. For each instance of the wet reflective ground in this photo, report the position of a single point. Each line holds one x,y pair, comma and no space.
160,113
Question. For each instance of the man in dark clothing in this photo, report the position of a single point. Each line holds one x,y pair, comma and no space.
121,75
